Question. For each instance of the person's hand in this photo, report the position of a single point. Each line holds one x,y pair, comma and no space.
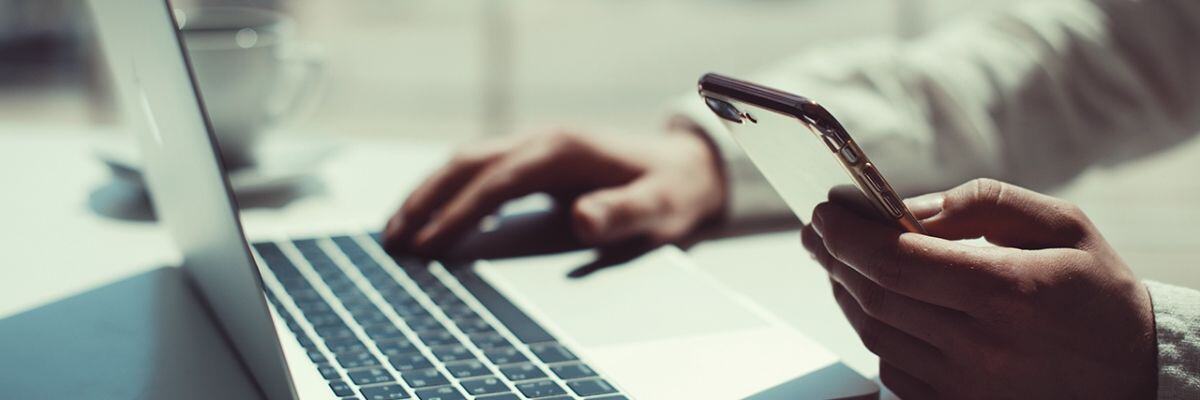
1049,312
655,187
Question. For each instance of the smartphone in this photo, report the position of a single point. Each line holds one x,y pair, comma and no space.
802,150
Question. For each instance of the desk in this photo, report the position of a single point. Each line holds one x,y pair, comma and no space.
57,245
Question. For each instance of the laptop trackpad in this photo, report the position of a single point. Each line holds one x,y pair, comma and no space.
655,296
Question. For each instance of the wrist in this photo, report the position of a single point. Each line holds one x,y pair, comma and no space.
704,154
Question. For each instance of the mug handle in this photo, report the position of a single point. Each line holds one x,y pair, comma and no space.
303,76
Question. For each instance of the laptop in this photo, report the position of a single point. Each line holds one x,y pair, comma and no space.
337,317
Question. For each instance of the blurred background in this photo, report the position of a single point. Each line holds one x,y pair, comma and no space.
457,69
444,72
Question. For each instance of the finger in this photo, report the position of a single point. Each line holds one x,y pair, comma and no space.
887,342
619,213
933,324
816,247
439,187
925,206
930,323
1008,215
902,384
510,177
925,268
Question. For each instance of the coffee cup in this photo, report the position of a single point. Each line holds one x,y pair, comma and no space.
251,73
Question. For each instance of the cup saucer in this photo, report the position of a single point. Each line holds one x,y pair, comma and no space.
277,169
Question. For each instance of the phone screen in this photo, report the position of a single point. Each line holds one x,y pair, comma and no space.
794,159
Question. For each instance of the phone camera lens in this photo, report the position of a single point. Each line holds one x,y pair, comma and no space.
724,110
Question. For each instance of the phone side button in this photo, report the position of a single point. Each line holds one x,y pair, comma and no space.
892,204
874,178
849,155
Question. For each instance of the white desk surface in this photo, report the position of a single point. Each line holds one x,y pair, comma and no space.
55,245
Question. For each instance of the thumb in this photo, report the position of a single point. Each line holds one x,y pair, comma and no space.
617,213
1006,215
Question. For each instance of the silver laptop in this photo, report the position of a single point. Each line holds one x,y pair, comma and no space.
337,317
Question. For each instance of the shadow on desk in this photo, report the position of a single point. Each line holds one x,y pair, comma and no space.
144,337
121,200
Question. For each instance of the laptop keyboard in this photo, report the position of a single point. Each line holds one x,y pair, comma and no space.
383,328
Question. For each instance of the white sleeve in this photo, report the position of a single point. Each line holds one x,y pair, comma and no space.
1034,96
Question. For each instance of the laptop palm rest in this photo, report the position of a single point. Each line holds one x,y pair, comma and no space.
659,326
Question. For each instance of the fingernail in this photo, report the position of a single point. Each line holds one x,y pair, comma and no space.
925,206
392,229
816,222
426,236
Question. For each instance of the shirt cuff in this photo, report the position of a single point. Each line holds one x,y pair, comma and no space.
1177,329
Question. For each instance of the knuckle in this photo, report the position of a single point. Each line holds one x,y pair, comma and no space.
1074,222
987,190
881,266
563,139
869,335
468,155
873,301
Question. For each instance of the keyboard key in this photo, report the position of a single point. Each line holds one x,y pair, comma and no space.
314,307
488,385
572,371
590,387
460,312
505,355
396,347
452,353
424,378
467,369
302,295
544,388
371,318
424,323
324,320
440,393
409,362
363,310
438,338
347,347
488,340
357,360
340,388
327,371
384,332
551,353
342,342
506,396
335,332
522,372
317,356
370,376
385,392
475,326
